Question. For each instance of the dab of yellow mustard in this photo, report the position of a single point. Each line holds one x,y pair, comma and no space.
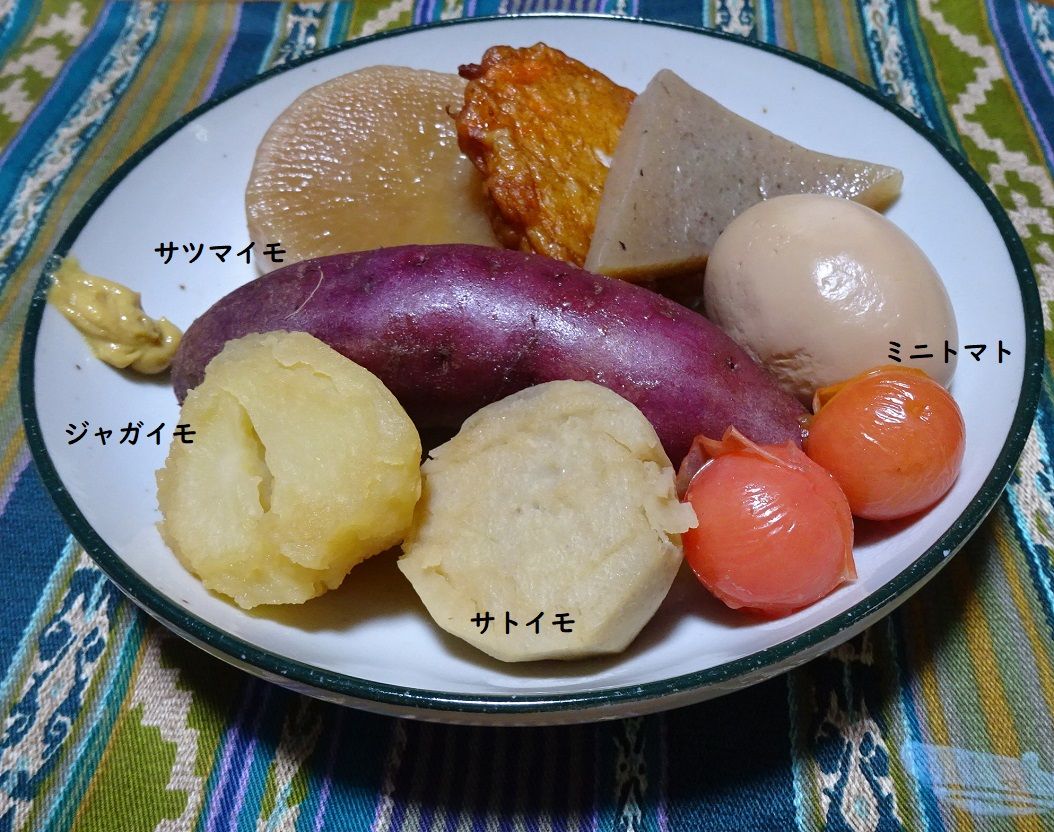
111,319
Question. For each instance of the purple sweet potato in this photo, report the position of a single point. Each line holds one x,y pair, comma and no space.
451,328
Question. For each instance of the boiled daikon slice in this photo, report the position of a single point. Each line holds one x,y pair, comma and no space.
366,160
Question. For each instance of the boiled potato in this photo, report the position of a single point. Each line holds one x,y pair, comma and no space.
557,500
303,464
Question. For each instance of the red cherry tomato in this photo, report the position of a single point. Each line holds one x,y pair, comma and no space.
775,533
892,437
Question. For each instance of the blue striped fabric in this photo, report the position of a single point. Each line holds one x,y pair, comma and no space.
1031,75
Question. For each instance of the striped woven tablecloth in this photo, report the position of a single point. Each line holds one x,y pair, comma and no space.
109,723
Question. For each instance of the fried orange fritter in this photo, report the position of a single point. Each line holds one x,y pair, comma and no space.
541,127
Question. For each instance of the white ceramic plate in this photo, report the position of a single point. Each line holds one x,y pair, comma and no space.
371,644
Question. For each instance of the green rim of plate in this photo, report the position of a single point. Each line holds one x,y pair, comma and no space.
330,684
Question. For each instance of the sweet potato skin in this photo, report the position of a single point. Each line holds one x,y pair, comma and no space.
451,328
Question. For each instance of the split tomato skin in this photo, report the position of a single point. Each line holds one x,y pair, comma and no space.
892,437
775,532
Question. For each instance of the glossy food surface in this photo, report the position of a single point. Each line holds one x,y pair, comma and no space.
452,328
367,159
892,437
819,289
775,533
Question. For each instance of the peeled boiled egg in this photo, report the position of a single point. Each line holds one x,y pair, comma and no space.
819,289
